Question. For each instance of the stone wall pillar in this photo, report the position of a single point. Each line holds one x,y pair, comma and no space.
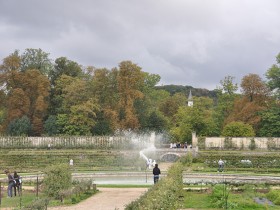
194,139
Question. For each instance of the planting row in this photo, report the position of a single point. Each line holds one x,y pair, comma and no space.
33,161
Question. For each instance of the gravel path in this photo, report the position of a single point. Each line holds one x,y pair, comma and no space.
107,199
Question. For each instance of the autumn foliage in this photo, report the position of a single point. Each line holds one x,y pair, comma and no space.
66,98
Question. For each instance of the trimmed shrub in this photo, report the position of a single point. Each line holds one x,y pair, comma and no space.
57,179
164,195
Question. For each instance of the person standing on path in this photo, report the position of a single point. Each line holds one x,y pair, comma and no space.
10,183
156,172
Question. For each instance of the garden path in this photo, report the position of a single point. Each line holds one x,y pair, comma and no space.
107,199
110,198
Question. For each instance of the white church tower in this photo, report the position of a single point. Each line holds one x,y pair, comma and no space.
190,99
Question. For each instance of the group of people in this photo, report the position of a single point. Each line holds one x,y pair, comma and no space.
14,183
180,145
150,163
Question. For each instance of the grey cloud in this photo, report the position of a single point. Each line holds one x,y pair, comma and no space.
186,42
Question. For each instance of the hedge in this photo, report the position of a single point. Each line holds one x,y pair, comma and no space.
164,195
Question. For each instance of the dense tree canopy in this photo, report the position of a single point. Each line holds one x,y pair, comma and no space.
238,129
42,97
273,76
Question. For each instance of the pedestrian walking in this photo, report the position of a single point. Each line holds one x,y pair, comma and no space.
156,172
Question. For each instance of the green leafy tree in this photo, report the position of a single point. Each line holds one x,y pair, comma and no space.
20,127
226,94
50,126
56,179
78,105
102,126
270,122
65,127
273,76
198,118
84,115
238,129
62,68
157,122
36,59
148,104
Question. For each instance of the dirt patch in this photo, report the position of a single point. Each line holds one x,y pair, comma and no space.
107,199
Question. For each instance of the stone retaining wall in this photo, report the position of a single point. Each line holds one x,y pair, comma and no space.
236,142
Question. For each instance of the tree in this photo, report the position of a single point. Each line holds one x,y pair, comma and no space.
84,115
36,59
255,89
170,105
130,82
148,104
228,86
273,76
28,96
79,107
62,68
270,123
198,118
11,63
18,104
226,94
20,127
246,111
238,129
104,88
157,122
50,126
255,98
102,126
56,179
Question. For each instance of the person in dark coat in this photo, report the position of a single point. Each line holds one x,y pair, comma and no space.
156,172
17,183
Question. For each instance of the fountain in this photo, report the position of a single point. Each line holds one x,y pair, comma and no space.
151,147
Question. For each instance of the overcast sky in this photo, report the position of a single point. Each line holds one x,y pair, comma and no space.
186,42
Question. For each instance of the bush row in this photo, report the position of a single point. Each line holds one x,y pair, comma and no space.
30,160
164,195
241,160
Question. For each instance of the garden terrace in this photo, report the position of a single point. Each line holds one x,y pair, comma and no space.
38,160
243,161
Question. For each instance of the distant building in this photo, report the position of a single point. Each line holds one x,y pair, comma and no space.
190,99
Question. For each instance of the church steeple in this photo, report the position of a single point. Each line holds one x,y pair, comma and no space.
190,99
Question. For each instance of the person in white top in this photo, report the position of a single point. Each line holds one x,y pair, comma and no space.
221,165
71,162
